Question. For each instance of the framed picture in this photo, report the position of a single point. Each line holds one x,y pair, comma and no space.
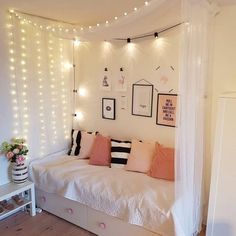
166,109
142,100
108,108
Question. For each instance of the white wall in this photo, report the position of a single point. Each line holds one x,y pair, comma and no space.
224,70
5,96
139,60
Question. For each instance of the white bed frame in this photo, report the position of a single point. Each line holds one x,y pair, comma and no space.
86,217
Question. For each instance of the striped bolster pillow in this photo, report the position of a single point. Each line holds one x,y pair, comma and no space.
119,153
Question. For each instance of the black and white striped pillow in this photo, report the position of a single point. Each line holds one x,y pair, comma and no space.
76,141
75,145
119,153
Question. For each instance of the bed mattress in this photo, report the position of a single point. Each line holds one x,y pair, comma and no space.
133,197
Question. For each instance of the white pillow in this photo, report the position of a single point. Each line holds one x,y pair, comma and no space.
86,144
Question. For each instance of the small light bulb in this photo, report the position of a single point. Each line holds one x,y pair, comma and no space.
125,14
107,21
135,9
115,17
77,42
146,3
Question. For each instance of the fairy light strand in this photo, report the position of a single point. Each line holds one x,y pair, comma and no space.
56,26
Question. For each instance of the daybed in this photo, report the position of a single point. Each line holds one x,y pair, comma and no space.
103,200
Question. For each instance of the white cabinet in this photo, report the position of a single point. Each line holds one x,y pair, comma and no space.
222,203
25,190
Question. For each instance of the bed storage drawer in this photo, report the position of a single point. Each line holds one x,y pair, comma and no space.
104,225
62,207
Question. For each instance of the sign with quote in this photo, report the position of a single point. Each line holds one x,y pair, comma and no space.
166,109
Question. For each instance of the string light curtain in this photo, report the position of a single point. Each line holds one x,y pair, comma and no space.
41,87
190,145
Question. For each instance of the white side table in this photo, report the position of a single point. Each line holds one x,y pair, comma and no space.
27,192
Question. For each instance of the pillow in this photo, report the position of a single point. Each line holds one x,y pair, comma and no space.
119,153
140,158
76,142
86,144
163,166
75,145
101,151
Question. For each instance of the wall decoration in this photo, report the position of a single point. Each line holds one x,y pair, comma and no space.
108,108
142,99
106,81
166,109
123,102
121,83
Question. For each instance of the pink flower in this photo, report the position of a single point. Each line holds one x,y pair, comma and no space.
9,155
20,160
20,146
16,151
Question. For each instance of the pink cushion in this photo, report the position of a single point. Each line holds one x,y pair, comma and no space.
163,166
101,151
141,155
86,144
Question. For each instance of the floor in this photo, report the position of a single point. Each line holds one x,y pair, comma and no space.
44,224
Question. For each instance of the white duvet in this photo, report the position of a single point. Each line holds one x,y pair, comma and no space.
133,197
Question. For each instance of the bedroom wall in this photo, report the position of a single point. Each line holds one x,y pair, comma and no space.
139,60
5,97
224,70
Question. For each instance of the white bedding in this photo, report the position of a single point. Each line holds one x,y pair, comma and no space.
133,197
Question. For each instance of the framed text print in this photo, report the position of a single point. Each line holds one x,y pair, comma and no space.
166,109
142,99
108,108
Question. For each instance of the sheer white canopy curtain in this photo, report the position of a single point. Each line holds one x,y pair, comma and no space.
41,75
198,16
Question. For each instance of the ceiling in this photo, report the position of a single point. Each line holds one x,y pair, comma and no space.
80,12
88,12
158,15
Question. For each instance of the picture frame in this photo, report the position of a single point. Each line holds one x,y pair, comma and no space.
142,100
109,108
166,109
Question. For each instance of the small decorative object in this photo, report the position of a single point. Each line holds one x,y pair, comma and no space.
106,83
15,153
142,100
108,108
166,109
121,84
123,102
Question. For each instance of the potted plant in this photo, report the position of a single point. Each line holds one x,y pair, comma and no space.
15,152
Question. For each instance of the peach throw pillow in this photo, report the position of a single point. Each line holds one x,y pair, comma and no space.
101,151
163,166
141,155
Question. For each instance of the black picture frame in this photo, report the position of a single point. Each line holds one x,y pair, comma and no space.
142,100
109,108
166,109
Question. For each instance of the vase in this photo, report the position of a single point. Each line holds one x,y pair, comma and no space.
19,173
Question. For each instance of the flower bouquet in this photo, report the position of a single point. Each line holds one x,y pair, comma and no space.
15,151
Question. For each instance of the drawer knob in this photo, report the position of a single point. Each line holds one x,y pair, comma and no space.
102,225
69,210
